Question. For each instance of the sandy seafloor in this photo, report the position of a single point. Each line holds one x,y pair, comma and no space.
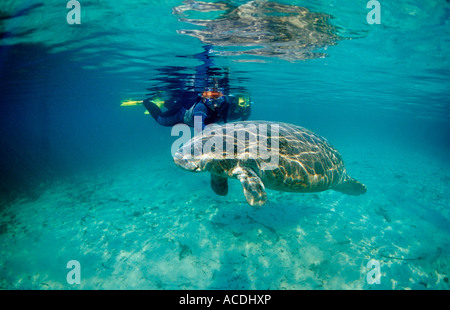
146,224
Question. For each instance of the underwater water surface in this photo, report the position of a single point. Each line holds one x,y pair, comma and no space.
84,178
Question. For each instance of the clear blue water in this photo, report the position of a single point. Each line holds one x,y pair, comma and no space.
85,179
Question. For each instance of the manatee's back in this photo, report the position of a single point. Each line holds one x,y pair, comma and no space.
307,162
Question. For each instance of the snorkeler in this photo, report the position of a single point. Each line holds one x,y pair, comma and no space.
212,106
195,97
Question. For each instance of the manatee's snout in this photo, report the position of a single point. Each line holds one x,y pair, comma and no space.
185,162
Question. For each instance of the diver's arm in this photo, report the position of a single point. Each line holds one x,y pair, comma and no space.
225,109
246,113
200,110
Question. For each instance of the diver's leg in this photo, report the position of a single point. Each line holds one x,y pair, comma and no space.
169,118
152,108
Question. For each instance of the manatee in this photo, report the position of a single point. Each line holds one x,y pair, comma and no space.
300,160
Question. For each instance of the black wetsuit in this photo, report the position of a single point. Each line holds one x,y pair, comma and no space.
188,103
180,112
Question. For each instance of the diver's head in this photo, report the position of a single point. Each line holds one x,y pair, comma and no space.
213,99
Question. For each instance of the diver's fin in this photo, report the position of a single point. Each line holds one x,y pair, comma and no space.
219,185
253,187
130,103
351,187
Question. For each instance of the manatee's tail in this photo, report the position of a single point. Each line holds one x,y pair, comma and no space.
351,187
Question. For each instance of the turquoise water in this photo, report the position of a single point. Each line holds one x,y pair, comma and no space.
83,178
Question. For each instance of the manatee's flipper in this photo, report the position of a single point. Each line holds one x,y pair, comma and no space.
252,185
219,185
351,187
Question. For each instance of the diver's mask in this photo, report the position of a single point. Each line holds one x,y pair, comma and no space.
213,99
